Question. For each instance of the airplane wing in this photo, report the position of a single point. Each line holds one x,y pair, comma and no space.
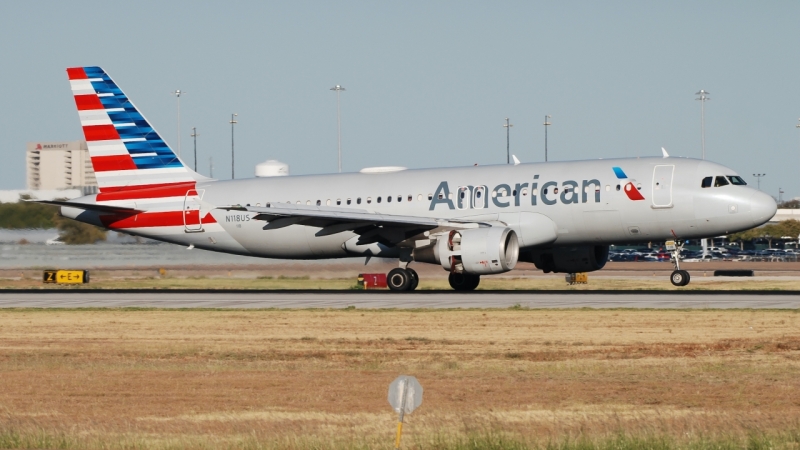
373,227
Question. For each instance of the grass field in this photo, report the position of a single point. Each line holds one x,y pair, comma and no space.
501,379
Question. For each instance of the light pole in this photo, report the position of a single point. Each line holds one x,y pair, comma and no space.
194,136
758,177
508,126
233,122
703,98
339,90
177,94
546,124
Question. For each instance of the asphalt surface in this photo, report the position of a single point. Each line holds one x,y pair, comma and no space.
384,299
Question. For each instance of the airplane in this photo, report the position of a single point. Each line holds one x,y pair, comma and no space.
472,221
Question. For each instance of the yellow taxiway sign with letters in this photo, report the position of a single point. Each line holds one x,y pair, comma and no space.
66,276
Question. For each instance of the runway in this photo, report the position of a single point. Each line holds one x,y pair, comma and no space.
384,299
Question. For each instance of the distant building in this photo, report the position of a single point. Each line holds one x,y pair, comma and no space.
60,165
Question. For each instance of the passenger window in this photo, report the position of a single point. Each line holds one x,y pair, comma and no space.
400,198
544,191
617,187
441,196
478,193
319,202
555,190
736,180
430,196
706,182
369,200
328,202
379,200
720,181
410,198
338,201
258,204
358,200
524,192
348,201
608,188
388,199
514,193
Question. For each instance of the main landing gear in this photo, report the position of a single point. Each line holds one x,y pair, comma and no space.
402,279
464,281
678,277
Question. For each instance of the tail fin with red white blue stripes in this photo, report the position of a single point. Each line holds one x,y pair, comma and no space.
127,153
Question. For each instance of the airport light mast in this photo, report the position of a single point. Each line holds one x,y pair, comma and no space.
177,94
758,177
546,124
508,126
233,122
339,90
703,98
194,137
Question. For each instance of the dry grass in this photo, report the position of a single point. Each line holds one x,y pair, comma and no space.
310,378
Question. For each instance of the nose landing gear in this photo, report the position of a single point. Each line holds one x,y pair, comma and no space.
678,277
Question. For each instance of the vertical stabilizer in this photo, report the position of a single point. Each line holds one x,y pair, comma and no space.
127,153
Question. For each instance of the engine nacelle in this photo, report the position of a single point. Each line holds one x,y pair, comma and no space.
477,251
569,259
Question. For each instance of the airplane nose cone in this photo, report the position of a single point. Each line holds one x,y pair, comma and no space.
762,208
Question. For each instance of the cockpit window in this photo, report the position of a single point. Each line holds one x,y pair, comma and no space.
707,182
736,180
720,181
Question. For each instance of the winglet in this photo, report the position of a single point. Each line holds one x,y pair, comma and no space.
516,161
664,152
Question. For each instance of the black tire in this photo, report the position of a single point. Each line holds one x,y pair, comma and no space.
679,278
688,277
414,279
398,280
464,281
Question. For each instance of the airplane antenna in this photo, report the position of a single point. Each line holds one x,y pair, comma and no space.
546,124
703,98
177,94
508,126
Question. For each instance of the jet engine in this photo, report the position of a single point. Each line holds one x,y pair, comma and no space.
476,251
569,259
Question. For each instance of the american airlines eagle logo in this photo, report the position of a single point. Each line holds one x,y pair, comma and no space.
630,189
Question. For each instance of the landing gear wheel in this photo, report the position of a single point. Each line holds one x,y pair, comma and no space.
679,278
398,280
414,279
464,281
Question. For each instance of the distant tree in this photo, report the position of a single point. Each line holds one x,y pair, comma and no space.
22,215
790,204
73,232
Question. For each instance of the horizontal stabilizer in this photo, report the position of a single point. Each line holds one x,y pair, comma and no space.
92,207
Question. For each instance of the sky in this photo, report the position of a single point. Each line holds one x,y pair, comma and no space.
428,83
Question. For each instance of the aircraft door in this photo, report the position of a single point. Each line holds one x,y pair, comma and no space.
662,186
479,197
464,199
192,220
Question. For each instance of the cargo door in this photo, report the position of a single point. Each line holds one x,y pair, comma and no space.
662,186
192,220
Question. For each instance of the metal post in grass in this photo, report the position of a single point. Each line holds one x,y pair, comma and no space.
405,395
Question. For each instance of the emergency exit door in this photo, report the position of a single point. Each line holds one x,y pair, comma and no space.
662,186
